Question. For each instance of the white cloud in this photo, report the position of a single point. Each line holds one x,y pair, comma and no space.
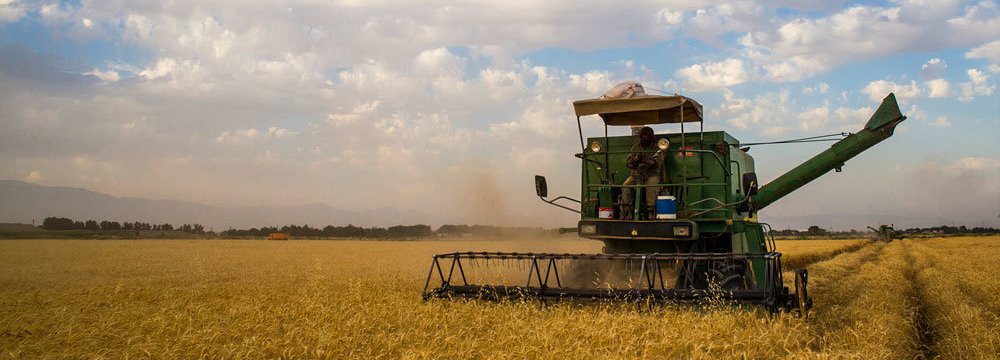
974,163
669,17
279,133
237,137
504,85
814,118
439,62
821,88
390,91
162,68
54,12
105,75
938,88
979,23
713,75
346,118
941,121
915,113
851,119
766,112
989,51
377,80
593,82
933,69
138,28
978,85
775,114
11,10
242,136
710,23
804,47
537,120
796,67
878,89
732,105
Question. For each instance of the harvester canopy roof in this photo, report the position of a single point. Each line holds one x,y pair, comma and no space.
642,110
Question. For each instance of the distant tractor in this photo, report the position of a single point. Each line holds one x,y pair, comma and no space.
278,236
700,241
886,233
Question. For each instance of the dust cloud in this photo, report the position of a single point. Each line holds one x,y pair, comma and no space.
484,200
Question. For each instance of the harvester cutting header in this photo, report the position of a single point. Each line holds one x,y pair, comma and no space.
677,212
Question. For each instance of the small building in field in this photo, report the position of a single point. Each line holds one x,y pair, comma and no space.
278,236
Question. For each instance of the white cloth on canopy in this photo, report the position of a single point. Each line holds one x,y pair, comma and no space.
625,90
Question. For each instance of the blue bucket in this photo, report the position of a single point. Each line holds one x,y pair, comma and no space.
666,207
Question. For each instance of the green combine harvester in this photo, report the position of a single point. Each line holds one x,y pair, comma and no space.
701,241
886,233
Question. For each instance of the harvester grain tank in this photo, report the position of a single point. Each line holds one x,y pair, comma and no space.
704,243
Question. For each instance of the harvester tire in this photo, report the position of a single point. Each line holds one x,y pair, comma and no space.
729,276
722,275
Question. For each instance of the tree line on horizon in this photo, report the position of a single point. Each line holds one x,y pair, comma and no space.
334,231
944,229
301,231
61,223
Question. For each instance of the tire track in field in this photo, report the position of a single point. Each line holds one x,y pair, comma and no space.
871,290
861,305
828,284
926,334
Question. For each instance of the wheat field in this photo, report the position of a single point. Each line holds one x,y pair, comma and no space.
361,299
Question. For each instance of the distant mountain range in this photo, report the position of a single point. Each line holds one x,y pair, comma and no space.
22,202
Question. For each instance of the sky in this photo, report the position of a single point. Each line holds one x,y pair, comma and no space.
450,108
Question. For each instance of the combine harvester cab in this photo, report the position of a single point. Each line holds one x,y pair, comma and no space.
700,242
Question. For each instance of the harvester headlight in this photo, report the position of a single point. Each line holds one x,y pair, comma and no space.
595,146
663,144
588,229
683,230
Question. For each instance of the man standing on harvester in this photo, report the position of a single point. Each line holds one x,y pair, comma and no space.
645,162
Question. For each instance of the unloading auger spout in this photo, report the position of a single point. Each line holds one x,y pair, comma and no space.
880,127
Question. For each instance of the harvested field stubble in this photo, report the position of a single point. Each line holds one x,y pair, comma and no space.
797,254
359,299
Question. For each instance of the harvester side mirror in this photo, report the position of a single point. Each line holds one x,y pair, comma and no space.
541,188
